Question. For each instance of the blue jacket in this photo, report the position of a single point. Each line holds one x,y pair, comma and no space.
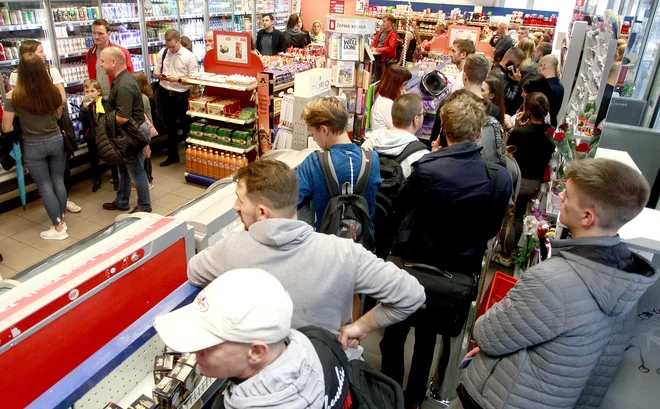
311,183
449,214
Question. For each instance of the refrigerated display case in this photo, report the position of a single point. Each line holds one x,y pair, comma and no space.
642,50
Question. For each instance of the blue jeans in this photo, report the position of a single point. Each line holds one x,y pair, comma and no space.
134,171
46,160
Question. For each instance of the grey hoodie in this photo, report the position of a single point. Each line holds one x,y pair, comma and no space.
556,339
293,381
319,271
391,142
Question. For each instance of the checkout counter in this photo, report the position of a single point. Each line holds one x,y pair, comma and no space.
77,330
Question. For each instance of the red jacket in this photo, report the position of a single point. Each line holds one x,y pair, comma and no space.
390,45
90,60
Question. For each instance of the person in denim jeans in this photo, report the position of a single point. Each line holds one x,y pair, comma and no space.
126,99
38,104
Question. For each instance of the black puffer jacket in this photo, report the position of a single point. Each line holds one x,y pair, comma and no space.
512,90
118,144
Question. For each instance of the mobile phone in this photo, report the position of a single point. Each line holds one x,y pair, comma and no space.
465,363
510,66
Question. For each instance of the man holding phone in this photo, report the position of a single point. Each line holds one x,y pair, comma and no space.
502,41
508,73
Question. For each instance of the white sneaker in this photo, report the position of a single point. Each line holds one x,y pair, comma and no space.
64,226
72,207
52,234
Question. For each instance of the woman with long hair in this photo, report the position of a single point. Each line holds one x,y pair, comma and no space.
492,91
294,36
528,65
38,104
534,83
392,85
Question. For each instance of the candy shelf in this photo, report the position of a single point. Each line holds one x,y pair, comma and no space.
282,87
219,85
220,118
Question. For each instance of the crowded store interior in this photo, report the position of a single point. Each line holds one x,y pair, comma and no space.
329,204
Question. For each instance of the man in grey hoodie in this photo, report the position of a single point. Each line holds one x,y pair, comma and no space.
407,118
320,272
556,339
239,328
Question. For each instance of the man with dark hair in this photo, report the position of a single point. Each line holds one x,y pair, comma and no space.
501,41
101,36
175,63
548,67
542,50
460,50
509,74
557,338
407,118
443,193
269,40
301,259
384,46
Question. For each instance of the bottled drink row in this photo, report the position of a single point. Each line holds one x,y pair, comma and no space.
220,6
222,24
192,28
214,164
24,16
119,10
127,38
74,44
9,48
156,32
77,71
160,8
75,13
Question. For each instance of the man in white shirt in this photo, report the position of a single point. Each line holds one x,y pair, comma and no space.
460,51
177,64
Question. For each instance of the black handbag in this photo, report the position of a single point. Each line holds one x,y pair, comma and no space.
448,296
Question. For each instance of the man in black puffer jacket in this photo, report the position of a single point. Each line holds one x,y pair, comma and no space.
510,79
556,340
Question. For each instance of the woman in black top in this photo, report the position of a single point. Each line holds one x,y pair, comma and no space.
533,151
294,36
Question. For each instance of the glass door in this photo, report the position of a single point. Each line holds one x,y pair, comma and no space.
641,53
124,21
161,16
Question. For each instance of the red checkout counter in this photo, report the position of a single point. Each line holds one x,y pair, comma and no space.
77,331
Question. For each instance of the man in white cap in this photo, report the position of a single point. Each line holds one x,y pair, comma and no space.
239,327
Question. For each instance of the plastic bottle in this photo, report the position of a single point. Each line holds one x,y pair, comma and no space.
205,163
232,164
215,174
188,161
223,166
193,160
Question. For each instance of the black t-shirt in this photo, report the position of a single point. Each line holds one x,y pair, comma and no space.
126,97
533,150
495,112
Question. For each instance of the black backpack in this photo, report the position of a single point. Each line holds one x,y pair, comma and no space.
347,212
384,221
369,389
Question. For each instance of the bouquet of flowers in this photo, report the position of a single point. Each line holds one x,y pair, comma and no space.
536,230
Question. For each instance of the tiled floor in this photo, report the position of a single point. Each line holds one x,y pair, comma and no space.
21,246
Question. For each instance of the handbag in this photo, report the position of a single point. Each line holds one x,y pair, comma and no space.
448,296
68,134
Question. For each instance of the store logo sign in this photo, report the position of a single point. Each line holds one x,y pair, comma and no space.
320,86
333,25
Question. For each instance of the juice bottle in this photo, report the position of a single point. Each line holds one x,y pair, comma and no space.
205,163
245,161
225,165
221,165
197,164
188,162
193,159
216,167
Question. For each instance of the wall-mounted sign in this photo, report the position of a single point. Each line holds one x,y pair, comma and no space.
350,25
336,6
469,33
232,48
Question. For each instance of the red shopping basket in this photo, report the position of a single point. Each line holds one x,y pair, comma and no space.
497,290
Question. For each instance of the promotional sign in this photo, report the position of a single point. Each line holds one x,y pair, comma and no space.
313,82
351,25
470,33
264,110
579,3
336,6
232,48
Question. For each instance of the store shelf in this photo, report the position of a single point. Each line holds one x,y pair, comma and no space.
160,18
155,42
222,14
220,118
196,38
74,23
73,54
219,85
8,63
21,27
74,83
277,113
282,87
220,146
123,20
132,46
188,16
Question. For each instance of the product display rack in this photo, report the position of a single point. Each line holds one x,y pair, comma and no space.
571,63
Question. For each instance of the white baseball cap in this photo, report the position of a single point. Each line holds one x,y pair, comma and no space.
244,305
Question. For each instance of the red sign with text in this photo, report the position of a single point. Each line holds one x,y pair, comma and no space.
579,3
336,6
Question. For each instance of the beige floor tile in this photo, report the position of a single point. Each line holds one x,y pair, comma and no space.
89,210
170,201
103,196
6,216
28,207
37,215
156,194
30,236
83,229
189,191
9,246
24,258
106,218
168,185
7,272
51,247
163,211
16,226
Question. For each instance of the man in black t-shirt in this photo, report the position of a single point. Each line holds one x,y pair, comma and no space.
269,40
548,68
126,100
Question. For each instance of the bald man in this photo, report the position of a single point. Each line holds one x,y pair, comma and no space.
208,40
501,41
126,100
549,67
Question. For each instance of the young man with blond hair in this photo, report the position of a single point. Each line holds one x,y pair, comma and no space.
440,199
557,338
460,51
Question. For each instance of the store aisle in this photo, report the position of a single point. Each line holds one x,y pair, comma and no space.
21,246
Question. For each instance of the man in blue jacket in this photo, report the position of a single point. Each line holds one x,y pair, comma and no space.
451,209
556,339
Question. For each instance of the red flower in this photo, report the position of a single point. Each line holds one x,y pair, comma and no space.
559,136
563,126
597,131
541,232
583,147
550,132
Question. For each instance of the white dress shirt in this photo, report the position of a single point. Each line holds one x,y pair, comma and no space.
180,64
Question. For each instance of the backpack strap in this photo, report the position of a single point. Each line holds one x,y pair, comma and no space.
364,175
411,148
328,171
162,60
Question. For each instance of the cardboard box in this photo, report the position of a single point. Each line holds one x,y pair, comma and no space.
186,375
188,359
169,393
143,402
163,364
199,104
